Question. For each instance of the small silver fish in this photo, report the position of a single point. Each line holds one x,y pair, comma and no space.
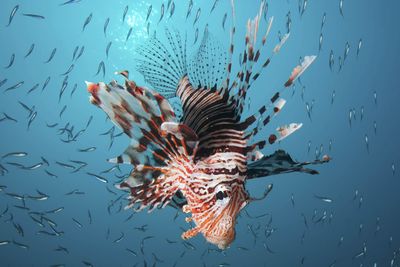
129,34
340,241
288,22
70,2
20,245
196,35
197,16
71,67
62,249
350,116
331,60
53,52
125,12
89,149
323,20
98,177
74,53
162,13
77,222
65,165
31,119
224,20
304,7
341,7
366,141
321,39
325,199
361,112
87,21
308,110
89,121
131,251
50,174
169,4
359,46
214,5
346,51
34,167
90,217
119,239
35,16
57,210
149,12
12,14
4,242
189,9
80,52
73,89
63,87
12,58
108,48
355,195
172,10
102,68
106,26
46,82
15,154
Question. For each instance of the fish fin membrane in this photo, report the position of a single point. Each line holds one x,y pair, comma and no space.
163,65
208,63
160,146
149,194
277,163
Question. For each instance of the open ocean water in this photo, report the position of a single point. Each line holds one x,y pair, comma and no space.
55,212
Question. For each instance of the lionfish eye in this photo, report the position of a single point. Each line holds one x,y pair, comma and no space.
221,195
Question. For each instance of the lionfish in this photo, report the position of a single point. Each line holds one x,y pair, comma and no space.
198,162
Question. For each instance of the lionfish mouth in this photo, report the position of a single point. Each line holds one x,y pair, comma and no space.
223,232
220,229
222,241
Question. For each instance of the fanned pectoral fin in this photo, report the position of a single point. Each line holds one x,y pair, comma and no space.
148,193
279,162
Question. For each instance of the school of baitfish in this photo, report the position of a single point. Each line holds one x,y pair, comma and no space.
191,146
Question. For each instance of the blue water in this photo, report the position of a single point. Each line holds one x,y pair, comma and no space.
353,167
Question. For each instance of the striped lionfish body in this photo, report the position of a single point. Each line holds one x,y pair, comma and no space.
201,161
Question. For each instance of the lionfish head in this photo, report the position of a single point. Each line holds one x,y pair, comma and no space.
217,218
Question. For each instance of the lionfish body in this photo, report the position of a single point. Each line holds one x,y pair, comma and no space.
200,162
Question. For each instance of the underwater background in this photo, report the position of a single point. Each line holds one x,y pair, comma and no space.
348,215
